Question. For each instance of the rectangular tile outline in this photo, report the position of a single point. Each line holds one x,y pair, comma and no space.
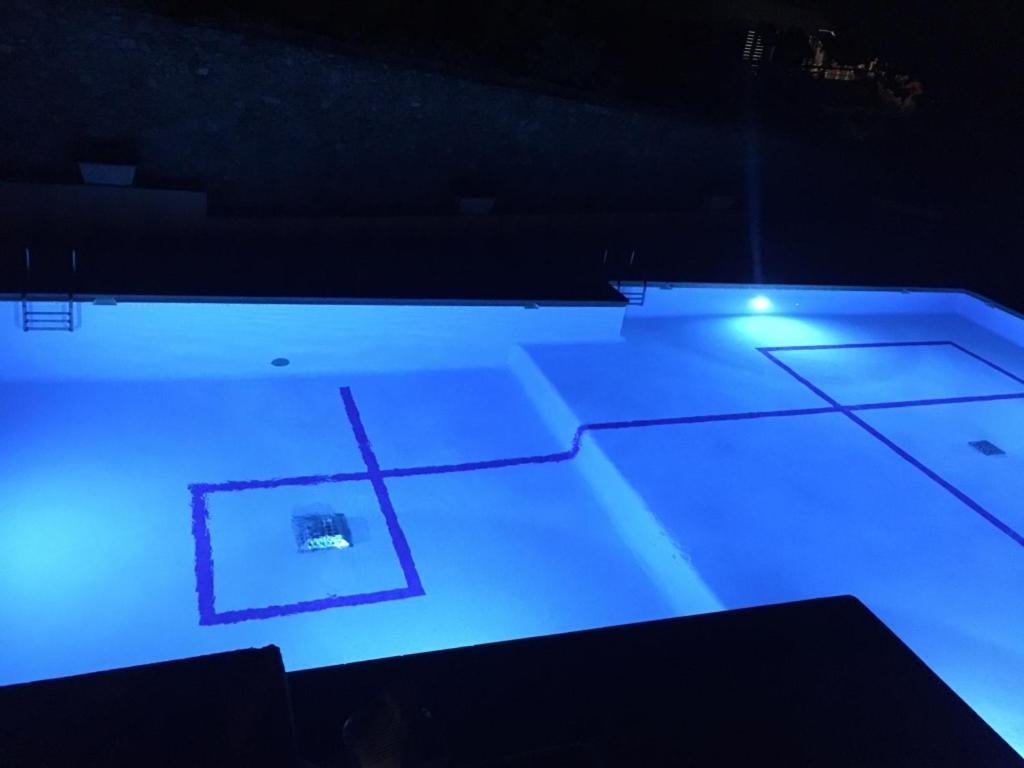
848,411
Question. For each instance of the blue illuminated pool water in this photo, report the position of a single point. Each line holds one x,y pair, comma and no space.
509,471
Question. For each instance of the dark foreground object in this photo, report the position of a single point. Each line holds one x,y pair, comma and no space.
816,683
227,709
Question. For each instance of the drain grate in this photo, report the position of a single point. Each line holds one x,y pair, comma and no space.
321,530
987,448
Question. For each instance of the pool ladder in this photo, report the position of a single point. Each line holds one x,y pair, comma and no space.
53,316
633,293
48,313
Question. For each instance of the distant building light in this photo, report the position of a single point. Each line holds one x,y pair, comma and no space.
753,48
840,73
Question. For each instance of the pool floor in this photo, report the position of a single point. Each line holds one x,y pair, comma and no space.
692,464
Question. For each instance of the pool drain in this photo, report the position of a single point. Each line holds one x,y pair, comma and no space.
280,362
987,448
319,530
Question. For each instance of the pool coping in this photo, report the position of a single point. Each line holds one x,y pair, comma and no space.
101,298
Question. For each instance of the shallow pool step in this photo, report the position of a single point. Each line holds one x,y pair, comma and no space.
660,556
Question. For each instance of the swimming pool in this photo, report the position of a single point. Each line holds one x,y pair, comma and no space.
356,481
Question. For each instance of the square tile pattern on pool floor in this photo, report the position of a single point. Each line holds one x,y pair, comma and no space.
256,569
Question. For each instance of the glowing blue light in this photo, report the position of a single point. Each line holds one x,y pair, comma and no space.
760,303
327,542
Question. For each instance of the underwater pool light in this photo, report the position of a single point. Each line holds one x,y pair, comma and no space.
760,303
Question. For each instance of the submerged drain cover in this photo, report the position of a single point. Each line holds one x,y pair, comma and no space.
987,448
316,531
